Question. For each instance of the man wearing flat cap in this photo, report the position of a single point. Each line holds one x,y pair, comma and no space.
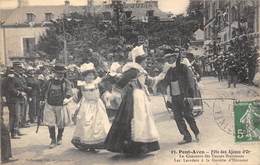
58,92
15,97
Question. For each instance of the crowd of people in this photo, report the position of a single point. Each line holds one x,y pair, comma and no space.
110,112
238,63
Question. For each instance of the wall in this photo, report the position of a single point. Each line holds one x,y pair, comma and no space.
14,37
2,57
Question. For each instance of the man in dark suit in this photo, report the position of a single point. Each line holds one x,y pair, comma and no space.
180,80
15,99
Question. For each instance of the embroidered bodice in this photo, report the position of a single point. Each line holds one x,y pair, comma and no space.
90,94
90,91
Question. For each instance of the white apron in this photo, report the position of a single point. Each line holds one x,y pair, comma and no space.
92,120
143,125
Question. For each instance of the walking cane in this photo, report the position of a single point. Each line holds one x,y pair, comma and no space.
40,117
165,103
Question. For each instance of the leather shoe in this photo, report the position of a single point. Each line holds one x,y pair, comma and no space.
15,137
20,134
53,144
184,142
11,159
59,141
197,137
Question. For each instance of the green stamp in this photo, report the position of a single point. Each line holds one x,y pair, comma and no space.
247,121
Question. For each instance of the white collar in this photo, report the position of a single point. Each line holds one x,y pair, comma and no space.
90,85
133,65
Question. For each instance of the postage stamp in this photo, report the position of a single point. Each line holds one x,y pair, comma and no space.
247,121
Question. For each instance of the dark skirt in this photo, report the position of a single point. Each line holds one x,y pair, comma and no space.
83,146
119,136
6,152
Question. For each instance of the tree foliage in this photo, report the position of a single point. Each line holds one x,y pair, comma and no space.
91,38
49,45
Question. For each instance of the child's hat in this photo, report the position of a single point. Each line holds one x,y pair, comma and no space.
87,67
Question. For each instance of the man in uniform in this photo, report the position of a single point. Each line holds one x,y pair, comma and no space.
33,102
15,99
58,92
20,76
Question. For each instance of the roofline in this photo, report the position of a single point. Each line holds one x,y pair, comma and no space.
42,6
36,25
25,25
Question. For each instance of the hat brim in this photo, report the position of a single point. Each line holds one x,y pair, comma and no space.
169,55
88,71
113,74
59,71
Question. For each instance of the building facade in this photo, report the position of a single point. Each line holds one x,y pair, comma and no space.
225,19
138,9
22,27
18,42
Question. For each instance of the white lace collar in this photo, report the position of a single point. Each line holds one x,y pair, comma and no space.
134,65
90,85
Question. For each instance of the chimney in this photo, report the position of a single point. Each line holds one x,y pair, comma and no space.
67,3
90,3
66,7
22,3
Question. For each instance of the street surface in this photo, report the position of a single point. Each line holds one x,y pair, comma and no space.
33,148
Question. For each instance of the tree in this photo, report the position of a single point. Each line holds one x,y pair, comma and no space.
50,44
91,38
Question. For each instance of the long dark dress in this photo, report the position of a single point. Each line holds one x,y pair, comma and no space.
119,137
6,151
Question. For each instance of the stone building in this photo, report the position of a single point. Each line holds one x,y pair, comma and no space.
21,27
137,9
223,18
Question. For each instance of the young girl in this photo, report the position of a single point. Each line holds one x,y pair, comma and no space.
92,123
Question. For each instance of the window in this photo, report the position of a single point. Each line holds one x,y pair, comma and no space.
48,16
214,9
225,37
234,32
225,16
28,46
149,13
30,17
234,14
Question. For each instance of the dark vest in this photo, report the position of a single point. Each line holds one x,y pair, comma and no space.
56,92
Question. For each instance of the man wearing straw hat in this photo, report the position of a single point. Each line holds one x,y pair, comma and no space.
57,95
179,78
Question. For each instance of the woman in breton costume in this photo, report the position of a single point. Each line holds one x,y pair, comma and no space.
133,130
92,123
